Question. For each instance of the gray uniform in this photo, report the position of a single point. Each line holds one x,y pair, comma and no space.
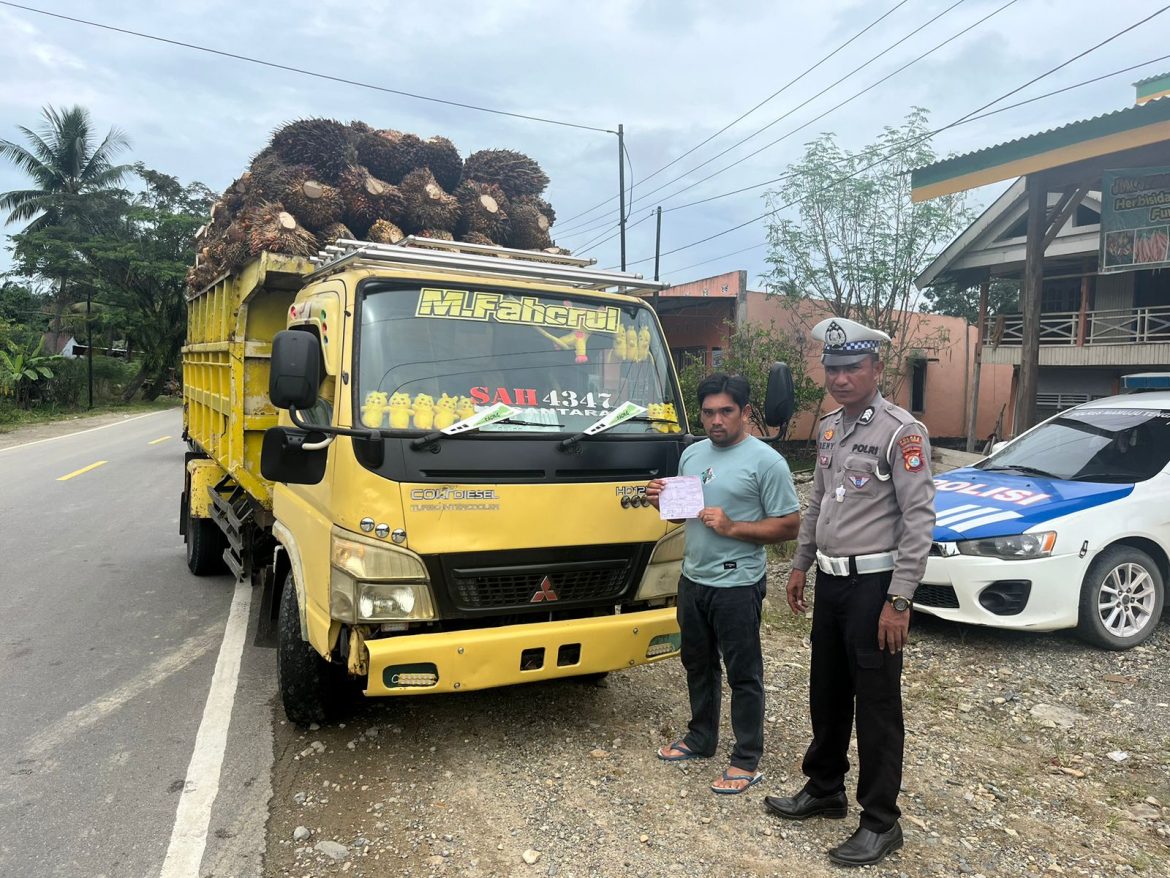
872,492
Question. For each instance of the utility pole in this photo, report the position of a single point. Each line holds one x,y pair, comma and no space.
622,190
657,253
89,340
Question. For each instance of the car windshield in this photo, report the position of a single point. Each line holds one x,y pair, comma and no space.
1092,445
432,356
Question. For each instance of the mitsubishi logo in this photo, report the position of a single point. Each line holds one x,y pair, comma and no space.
544,593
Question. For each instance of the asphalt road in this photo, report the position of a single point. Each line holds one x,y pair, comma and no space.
108,646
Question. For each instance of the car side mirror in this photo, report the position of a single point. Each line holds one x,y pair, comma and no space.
295,370
998,446
781,397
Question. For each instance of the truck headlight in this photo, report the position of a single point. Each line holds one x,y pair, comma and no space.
372,581
1014,548
661,577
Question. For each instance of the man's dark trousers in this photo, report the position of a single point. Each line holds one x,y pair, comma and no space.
846,666
723,620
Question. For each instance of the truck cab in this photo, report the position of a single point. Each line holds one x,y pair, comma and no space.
440,485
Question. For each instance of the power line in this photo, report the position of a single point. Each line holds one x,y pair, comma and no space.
965,121
827,88
832,109
916,140
302,71
585,248
743,116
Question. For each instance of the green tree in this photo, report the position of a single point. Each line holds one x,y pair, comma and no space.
1003,297
858,241
68,167
751,351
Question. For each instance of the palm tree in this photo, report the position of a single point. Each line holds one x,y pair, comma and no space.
67,166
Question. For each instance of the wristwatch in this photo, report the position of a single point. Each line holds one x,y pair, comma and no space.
901,604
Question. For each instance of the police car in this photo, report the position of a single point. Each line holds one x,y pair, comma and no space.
1066,526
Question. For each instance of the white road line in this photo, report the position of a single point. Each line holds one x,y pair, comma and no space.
76,722
189,836
90,430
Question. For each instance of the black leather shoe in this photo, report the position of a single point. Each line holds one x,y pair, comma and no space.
866,847
802,806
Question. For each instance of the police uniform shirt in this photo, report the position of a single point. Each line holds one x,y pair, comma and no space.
872,492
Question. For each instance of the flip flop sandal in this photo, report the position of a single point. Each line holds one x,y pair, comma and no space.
752,780
685,752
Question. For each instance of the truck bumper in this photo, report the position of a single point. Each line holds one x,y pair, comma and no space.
460,661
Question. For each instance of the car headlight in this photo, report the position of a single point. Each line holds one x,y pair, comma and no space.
1013,548
371,581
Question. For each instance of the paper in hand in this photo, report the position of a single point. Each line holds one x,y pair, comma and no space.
681,497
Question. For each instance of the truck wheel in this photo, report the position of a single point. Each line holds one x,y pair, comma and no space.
205,544
1121,599
312,690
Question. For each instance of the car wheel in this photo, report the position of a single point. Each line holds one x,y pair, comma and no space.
1121,599
312,690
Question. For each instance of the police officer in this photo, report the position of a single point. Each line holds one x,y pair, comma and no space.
868,528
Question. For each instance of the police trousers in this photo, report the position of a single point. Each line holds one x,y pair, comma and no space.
723,622
848,669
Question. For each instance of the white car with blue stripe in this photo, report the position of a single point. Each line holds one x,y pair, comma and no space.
1066,526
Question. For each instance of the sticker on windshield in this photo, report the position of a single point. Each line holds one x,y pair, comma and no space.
622,413
501,308
497,412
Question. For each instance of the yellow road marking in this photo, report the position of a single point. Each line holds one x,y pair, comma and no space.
84,469
160,439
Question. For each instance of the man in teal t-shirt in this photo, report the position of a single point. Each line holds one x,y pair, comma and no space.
749,501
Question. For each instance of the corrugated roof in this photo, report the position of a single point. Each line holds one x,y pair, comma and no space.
1127,118
1151,79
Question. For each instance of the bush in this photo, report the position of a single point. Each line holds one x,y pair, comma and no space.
69,386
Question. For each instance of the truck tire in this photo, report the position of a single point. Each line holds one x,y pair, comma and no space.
1121,599
312,690
205,544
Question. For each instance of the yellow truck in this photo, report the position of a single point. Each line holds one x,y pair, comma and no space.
431,458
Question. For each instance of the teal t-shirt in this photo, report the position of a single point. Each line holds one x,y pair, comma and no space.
750,481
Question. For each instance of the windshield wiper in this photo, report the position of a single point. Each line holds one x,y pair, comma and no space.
626,411
1021,468
469,425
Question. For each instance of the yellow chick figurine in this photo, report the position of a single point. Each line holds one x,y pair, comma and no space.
400,411
632,344
445,411
619,344
374,409
669,414
464,409
655,413
643,343
424,412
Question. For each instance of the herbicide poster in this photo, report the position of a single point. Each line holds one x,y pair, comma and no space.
1135,219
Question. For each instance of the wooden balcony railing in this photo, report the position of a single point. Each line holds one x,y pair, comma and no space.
1116,326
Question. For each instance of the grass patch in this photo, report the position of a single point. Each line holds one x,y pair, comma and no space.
12,418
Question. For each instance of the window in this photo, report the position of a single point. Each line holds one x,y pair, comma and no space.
683,357
918,385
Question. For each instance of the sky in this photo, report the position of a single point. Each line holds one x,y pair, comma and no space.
671,72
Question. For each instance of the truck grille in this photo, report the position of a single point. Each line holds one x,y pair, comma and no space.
516,589
538,580
941,596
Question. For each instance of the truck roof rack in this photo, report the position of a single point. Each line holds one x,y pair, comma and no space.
478,259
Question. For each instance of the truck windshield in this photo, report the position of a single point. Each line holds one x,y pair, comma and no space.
432,356
1092,445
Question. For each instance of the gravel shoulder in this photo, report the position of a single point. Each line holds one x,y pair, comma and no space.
1026,755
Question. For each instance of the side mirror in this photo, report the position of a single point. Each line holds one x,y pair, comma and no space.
295,370
998,446
781,399
283,457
